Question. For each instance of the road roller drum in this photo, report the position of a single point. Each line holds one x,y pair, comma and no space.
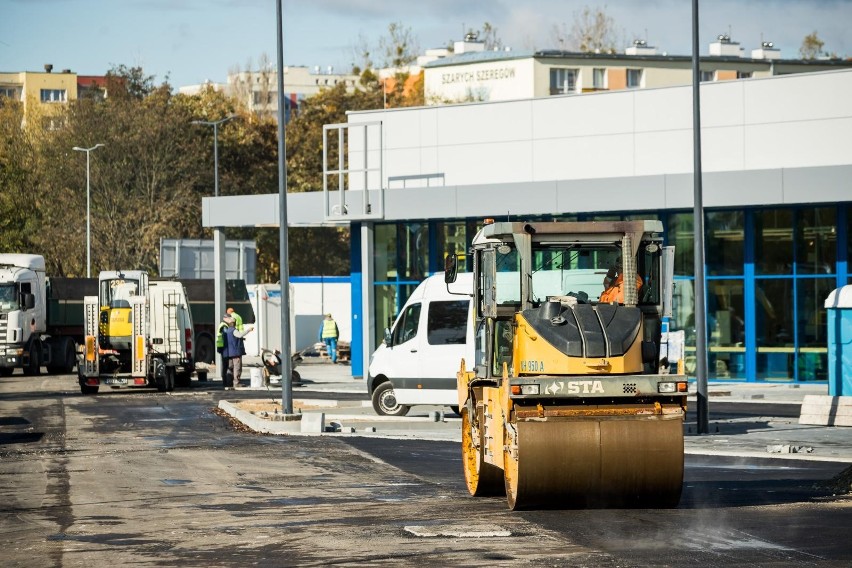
594,462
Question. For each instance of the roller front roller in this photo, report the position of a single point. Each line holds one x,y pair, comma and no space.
594,462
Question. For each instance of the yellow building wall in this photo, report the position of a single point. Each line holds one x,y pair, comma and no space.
31,85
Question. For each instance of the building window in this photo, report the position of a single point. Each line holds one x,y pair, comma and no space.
774,241
54,96
10,93
452,239
743,74
599,78
816,240
563,81
725,235
706,76
682,236
401,262
634,78
726,328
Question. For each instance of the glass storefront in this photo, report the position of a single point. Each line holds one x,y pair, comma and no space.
768,273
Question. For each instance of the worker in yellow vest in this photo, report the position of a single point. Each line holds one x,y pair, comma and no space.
238,319
220,345
328,334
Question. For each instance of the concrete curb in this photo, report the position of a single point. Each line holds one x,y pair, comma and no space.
826,410
291,423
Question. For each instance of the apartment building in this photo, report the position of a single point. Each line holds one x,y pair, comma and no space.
39,89
473,74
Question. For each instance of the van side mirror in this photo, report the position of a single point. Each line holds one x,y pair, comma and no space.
387,337
29,301
451,268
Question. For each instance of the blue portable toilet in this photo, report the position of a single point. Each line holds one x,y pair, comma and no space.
839,307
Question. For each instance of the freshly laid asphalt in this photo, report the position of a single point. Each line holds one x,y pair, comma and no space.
751,432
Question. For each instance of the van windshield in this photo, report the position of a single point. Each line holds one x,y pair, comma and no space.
8,298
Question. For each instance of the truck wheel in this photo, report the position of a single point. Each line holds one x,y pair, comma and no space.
170,379
86,389
183,379
161,378
384,401
202,376
34,360
204,350
66,357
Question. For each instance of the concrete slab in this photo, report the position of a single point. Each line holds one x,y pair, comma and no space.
458,531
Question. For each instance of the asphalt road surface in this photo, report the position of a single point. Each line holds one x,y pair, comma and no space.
148,479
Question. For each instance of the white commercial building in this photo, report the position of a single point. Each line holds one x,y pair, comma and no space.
777,162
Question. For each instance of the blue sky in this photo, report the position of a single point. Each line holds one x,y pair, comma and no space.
193,40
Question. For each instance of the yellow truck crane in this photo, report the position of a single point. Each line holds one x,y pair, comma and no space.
568,402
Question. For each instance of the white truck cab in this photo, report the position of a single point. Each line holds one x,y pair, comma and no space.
421,354
22,312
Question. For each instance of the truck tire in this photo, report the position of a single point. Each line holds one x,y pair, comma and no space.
86,389
384,401
33,366
170,378
6,371
202,376
205,351
161,379
63,357
183,379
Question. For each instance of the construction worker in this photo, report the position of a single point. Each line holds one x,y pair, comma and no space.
237,318
614,285
233,352
220,345
328,334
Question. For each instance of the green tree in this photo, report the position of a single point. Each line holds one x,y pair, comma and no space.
17,151
811,47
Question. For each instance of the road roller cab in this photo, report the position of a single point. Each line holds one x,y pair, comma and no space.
567,400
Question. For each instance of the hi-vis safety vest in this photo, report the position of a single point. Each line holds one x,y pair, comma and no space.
220,335
329,329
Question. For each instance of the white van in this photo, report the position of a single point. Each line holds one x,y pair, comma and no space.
421,354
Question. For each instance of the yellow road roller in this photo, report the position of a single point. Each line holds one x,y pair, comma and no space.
569,402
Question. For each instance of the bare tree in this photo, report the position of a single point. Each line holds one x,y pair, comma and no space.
400,47
490,38
593,31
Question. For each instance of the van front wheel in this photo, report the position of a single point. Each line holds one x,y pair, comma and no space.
385,403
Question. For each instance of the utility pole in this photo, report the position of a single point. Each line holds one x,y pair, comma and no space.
703,426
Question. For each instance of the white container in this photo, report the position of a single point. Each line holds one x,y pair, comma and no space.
256,377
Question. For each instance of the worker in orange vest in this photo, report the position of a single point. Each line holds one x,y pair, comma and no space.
614,285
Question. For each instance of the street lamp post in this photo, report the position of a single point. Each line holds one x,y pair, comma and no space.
215,124
88,209
218,235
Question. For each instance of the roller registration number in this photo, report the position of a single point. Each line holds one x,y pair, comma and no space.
532,366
